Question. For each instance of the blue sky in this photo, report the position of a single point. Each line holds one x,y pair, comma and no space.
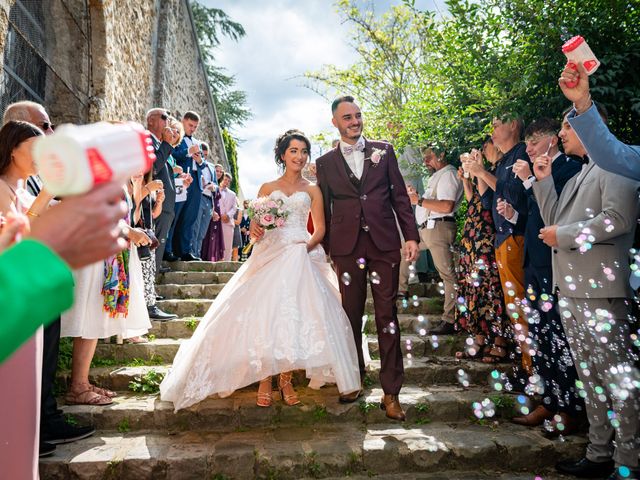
284,39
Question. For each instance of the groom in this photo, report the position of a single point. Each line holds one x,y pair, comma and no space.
362,188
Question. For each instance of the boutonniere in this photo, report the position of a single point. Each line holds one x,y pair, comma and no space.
376,156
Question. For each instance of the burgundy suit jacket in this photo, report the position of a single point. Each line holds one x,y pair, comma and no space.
349,204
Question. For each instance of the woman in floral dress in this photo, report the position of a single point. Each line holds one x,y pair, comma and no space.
480,305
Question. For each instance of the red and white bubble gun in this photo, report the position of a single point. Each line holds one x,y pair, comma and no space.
74,159
577,51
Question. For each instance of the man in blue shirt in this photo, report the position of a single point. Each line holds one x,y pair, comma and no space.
509,241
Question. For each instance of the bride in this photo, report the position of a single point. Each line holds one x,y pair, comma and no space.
280,312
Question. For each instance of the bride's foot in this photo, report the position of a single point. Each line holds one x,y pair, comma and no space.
264,393
288,394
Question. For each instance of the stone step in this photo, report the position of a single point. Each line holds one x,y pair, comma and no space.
425,372
418,346
422,406
318,451
413,346
458,475
190,278
197,307
409,324
198,291
203,266
205,287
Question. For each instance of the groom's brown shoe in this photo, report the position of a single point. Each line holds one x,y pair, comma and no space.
391,405
351,397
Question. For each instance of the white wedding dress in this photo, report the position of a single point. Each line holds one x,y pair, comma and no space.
281,311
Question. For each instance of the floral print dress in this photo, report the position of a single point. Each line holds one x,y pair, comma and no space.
480,304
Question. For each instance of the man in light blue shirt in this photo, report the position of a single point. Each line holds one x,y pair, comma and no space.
602,146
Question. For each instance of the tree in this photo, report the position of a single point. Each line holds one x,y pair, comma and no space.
423,79
211,25
231,148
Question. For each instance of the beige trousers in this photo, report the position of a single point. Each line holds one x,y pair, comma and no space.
439,241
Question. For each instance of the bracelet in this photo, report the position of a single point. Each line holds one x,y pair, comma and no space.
580,111
32,214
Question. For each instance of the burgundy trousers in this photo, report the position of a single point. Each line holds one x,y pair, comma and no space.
383,269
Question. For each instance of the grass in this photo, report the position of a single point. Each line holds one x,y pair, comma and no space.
153,360
148,383
313,467
319,413
504,404
191,323
366,407
123,426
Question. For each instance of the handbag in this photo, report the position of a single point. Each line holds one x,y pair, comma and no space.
144,251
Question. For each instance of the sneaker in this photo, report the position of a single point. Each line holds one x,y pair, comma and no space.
62,432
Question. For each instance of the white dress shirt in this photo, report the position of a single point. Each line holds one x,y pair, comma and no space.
442,185
355,159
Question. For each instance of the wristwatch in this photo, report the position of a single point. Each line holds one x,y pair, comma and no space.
420,202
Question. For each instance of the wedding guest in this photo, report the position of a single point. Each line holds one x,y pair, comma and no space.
482,311
163,137
53,426
228,208
245,223
148,197
601,145
188,156
590,227
552,358
237,236
437,226
213,243
509,244
68,235
205,213
109,301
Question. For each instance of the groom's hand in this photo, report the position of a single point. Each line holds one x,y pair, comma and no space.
411,250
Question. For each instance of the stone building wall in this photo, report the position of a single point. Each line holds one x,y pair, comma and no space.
115,59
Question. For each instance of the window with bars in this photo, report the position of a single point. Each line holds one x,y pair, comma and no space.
46,57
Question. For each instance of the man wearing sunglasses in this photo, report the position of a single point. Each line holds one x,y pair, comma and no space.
163,137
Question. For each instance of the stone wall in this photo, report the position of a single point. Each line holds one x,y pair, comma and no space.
126,56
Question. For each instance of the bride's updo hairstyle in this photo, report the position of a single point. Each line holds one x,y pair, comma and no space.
283,142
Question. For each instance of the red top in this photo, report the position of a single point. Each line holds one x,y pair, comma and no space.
571,45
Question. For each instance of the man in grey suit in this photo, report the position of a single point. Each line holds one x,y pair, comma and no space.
603,147
590,228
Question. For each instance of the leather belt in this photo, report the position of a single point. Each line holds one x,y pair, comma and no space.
439,219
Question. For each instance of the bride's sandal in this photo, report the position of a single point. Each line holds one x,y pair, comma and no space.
290,398
265,399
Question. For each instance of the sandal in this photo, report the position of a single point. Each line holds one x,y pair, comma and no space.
138,339
265,399
86,397
285,381
475,351
498,353
103,391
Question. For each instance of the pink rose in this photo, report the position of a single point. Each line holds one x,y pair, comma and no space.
272,204
279,222
375,157
267,220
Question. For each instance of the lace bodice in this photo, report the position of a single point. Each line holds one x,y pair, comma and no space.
295,227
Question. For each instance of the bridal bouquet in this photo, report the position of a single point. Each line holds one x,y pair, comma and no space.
268,213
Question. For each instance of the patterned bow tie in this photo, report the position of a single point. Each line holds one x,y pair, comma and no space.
349,149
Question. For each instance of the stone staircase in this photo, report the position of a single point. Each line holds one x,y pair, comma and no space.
140,437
